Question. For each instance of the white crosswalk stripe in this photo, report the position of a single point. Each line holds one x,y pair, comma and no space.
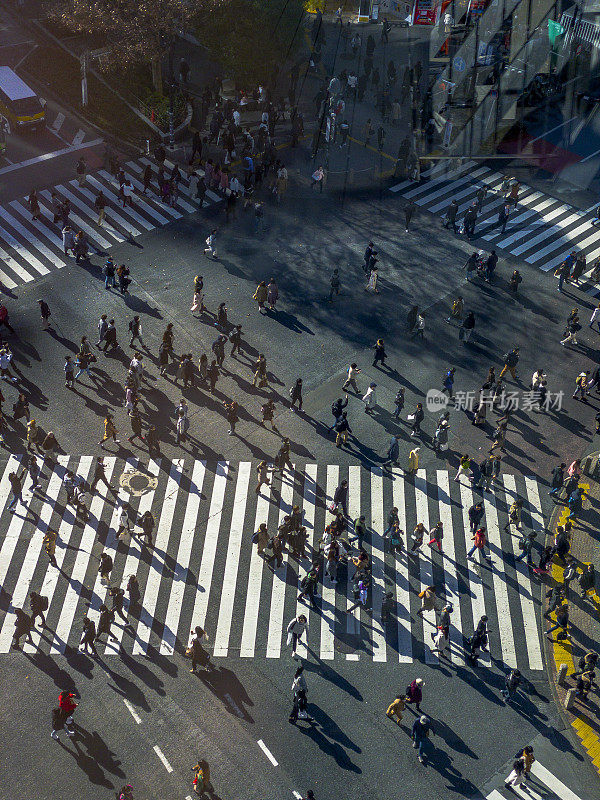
29,247
204,570
542,229
541,785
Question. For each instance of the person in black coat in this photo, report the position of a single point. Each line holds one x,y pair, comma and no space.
380,354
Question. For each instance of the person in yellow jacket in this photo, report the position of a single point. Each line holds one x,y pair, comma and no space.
109,430
396,708
260,295
413,460
50,545
32,434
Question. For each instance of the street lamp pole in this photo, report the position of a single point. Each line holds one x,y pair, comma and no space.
171,97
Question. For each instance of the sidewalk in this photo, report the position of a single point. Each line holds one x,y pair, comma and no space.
584,615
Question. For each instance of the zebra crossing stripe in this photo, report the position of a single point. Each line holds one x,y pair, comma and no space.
209,550
309,501
33,241
328,593
51,578
352,616
254,583
230,577
505,630
444,178
132,168
470,191
377,564
160,547
561,228
75,201
180,532
139,202
184,552
127,209
180,201
535,204
23,252
449,563
134,555
451,188
78,573
425,564
99,590
552,782
475,581
532,639
16,268
46,231
402,582
116,216
279,580
30,561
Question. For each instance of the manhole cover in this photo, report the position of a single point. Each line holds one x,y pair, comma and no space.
137,483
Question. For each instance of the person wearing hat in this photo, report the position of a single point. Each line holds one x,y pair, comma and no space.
420,731
414,693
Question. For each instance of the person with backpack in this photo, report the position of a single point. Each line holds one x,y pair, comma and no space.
308,585
510,359
525,545
38,605
300,703
478,641
342,429
109,271
88,636
337,408
105,568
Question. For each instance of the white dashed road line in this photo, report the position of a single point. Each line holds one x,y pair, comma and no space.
132,711
163,758
268,753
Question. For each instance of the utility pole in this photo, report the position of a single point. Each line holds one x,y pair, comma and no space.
171,97
84,87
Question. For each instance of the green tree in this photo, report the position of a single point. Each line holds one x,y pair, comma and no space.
137,32
252,38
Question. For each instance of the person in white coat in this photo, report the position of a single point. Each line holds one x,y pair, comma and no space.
370,398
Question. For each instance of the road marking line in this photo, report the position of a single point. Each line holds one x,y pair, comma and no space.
132,711
47,156
234,548
163,758
79,136
268,753
279,586
58,122
297,795
540,771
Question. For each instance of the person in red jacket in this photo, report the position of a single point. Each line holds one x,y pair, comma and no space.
66,702
479,540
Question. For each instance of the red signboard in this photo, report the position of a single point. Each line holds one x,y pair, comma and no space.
425,12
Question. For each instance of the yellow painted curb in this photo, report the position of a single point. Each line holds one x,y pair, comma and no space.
563,654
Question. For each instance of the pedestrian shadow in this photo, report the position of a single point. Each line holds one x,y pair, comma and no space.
228,688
